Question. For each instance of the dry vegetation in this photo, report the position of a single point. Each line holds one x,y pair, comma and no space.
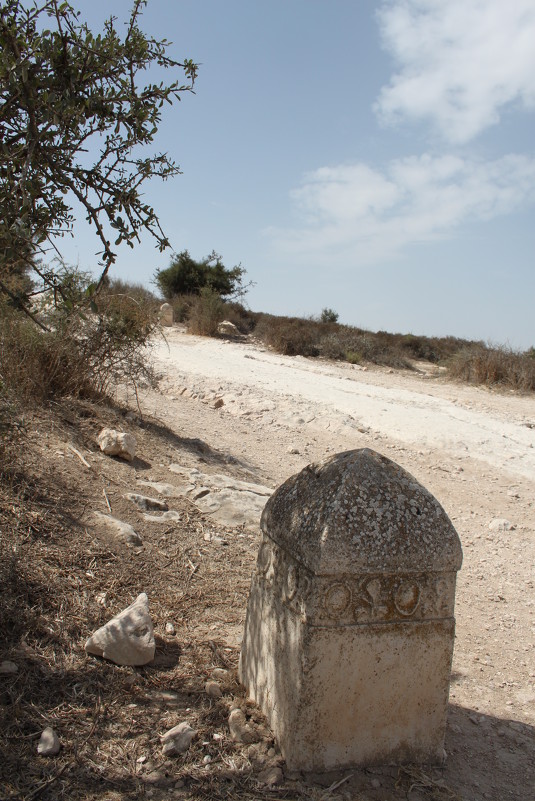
54,572
460,359
55,569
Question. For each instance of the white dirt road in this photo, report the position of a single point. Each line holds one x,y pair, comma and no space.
473,448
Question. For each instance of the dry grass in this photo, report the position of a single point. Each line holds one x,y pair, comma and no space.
497,366
54,568
83,354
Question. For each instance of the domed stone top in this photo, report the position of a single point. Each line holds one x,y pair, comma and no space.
359,512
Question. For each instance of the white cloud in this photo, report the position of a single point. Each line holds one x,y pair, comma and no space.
360,215
461,62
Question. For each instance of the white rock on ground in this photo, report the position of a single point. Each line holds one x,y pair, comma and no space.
145,503
49,744
240,730
213,689
271,776
178,739
117,443
164,517
500,524
124,530
8,668
128,638
228,328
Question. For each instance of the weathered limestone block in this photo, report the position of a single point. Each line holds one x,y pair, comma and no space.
349,633
166,314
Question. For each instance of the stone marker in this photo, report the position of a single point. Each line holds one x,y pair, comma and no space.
349,633
166,314
128,638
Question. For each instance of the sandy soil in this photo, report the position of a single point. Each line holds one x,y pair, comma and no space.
229,415
473,448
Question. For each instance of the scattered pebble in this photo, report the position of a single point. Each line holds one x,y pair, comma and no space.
213,689
8,668
146,503
49,744
271,776
501,524
178,739
220,674
170,629
240,730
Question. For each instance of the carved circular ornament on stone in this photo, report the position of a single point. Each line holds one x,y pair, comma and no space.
337,599
407,598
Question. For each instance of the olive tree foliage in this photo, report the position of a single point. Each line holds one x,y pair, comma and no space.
187,276
76,113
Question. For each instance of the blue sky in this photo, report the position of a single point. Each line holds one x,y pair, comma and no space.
377,158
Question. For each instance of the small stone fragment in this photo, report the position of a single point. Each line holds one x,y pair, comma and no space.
501,524
240,730
125,531
8,668
117,443
172,514
220,674
213,689
158,778
128,638
48,743
170,629
218,403
375,783
146,503
178,739
271,776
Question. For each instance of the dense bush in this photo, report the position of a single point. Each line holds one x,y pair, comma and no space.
186,276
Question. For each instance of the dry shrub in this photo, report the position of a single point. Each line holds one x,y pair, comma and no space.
83,353
181,307
207,310
497,366
290,336
199,312
244,319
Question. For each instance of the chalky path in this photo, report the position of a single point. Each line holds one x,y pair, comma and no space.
433,414
472,448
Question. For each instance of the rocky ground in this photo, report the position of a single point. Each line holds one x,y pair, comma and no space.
228,423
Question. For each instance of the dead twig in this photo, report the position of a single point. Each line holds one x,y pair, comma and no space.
335,786
107,500
79,455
